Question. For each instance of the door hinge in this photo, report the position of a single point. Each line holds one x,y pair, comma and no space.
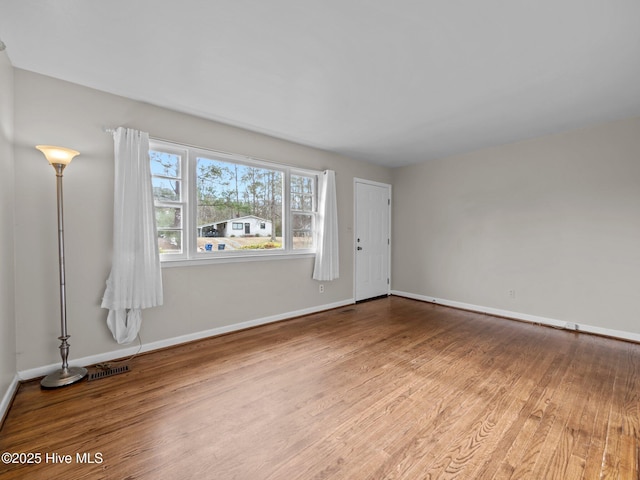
388,281
388,201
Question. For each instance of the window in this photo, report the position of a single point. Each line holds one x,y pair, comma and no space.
215,205
303,208
168,191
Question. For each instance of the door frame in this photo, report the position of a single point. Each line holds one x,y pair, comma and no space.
388,186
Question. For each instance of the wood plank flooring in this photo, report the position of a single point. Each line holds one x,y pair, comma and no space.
388,389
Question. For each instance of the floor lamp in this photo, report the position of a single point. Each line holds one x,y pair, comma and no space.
59,158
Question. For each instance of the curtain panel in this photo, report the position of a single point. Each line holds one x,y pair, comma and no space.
135,281
326,267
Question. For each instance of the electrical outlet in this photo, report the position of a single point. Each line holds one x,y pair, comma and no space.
512,294
321,288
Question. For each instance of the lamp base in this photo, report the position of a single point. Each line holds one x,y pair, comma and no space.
63,377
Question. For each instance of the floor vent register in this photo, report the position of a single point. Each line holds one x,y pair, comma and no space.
108,372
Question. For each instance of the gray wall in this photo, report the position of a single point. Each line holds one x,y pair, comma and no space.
7,315
197,298
557,219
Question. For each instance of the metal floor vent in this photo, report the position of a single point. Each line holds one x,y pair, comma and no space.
107,372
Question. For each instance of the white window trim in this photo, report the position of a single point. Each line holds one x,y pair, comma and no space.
190,255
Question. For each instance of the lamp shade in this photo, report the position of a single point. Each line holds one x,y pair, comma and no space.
57,154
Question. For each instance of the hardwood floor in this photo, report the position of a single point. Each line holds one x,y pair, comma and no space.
389,389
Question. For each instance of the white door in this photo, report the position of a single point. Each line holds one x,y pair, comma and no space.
372,239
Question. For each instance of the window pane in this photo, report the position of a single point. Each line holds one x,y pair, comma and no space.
168,217
166,189
170,241
302,193
302,231
240,206
166,164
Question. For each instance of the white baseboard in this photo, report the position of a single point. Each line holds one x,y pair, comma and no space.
147,347
8,397
607,332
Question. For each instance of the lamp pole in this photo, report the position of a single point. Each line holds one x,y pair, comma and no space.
59,158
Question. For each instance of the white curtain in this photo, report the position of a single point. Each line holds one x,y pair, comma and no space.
135,281
327,266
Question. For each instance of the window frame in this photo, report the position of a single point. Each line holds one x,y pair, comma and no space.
190,255
182,202
313,213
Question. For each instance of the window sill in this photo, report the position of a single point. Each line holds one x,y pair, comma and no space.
231,258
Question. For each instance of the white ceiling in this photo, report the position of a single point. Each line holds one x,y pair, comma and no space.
391,82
